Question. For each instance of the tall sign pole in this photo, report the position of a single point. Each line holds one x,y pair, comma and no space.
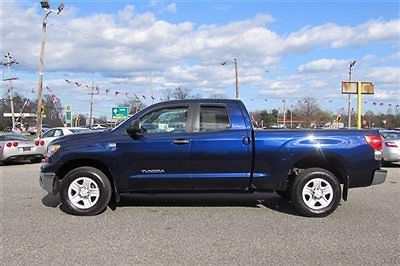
351,65
358,105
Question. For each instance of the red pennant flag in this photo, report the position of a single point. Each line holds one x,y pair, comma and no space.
78,84
153,98
381,104
68,81
33,90
54,100
127,95
144,97
49,89
137,97
97,91
116,93
107,91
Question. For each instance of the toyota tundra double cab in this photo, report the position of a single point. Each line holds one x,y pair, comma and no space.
210,146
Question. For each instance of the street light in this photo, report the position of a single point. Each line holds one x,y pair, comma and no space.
46,12
236,74
351,65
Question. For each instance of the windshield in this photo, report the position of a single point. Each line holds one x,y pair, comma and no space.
12,137
79,130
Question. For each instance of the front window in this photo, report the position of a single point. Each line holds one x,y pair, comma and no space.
49,134
167,120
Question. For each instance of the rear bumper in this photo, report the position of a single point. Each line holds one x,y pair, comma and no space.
379,177
49,182
22,157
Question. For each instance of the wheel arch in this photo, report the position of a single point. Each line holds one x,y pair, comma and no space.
332,164
82,162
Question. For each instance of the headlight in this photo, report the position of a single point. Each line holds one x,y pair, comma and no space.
52,149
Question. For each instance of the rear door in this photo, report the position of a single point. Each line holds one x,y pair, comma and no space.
221,148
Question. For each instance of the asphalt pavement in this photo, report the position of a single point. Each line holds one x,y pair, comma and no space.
249,229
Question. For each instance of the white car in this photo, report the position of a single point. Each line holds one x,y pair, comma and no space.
98,126
391,145
54,134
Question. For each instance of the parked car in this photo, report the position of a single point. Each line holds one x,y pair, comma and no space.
32,129
55,133
16,147
391,145
98,127
210,146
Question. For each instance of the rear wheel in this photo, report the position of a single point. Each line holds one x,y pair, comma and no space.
85,191
316,192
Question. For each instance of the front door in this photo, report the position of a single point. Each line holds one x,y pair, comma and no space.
160,158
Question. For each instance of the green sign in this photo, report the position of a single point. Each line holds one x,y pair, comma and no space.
119,113
68,116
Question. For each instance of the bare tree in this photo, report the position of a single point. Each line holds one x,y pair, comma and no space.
307,108
181,93
168,94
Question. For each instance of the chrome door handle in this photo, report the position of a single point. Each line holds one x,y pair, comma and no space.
181,141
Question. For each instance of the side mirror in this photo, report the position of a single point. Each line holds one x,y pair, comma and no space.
134,129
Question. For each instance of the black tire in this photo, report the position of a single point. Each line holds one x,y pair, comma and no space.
36,160
101,181
301,181
284,194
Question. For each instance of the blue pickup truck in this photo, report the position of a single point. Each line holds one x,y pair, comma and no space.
210,146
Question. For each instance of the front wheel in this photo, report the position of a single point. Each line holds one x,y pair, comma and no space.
85,191
316,192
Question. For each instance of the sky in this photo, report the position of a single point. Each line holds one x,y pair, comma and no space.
285,50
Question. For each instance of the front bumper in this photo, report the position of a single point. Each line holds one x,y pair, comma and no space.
379,177
49,182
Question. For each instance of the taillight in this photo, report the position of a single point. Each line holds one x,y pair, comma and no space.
37,143
15,144
390,144
9,144
374,141
42,143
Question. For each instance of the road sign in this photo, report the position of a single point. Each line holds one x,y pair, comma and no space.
119,113
68,108
42,109
350,87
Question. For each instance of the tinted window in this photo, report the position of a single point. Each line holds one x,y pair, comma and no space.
168,120
48,134
213,118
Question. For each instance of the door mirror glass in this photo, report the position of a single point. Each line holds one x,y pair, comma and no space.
134,129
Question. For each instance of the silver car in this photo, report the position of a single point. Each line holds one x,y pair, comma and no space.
15,147
390,145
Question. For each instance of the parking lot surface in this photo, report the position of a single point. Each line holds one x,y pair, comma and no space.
196,229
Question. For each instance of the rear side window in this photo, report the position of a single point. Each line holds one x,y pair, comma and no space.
214,118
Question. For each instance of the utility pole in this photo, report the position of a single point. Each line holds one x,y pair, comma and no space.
284,112
291,116
236,78
351,65
236,74
47,11
10,61
91,105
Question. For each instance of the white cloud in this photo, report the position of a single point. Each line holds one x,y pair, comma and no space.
323,65
171,8
124,48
